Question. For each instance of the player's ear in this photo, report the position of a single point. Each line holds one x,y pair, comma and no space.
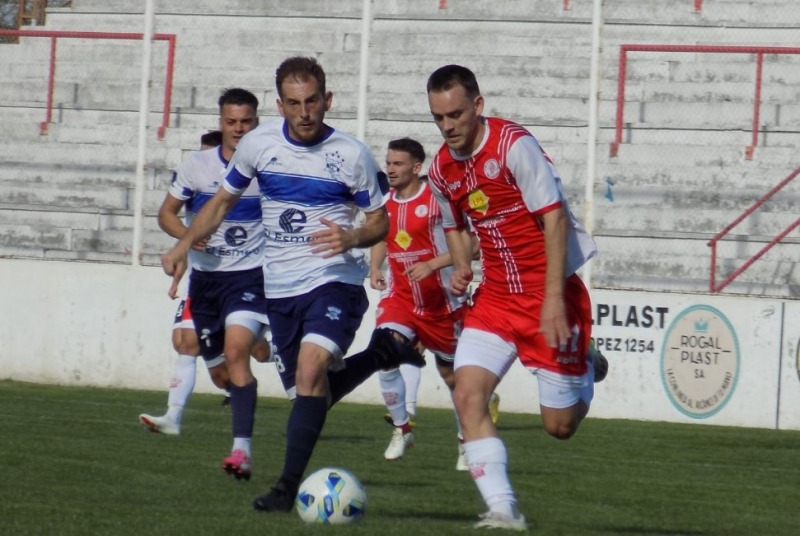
279,103
417,168
328,100
478,104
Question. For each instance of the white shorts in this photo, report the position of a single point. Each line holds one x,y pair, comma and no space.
488,351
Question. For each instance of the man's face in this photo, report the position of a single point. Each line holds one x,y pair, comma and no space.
236,120
458,118
401,168
303,106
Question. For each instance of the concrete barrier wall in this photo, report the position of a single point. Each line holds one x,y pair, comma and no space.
674,357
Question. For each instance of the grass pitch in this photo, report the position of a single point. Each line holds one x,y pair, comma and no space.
75,461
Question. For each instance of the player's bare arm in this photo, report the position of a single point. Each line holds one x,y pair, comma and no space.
172,224
174,262
377,254
420,270
337,239
461,258
554,325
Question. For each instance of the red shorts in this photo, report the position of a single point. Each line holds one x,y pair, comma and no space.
515,319
438,333
183,316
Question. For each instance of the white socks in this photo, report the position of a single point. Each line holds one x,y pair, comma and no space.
411,377
242,443
181,385
488,463
393,389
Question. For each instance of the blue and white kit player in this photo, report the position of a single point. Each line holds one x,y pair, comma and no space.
315,182
226,284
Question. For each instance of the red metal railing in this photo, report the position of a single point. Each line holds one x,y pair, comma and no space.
713,287
759,51
55,35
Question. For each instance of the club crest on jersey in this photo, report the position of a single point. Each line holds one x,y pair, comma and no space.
491,169
421,211
333,312
402,239
333,163
478,201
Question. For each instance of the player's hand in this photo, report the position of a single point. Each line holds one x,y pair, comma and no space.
200,245
553,322
419,271
174,263
460,280
377,281
333,240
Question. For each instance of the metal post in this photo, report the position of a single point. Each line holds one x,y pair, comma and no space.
591,155
363,78
144,110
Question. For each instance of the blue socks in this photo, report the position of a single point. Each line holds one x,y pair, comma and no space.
302,432
243,408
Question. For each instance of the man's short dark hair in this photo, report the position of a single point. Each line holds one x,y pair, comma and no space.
410,146
212,138
238,97
449,76
301,68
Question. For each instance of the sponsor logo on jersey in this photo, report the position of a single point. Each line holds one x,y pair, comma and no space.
491,169
700,361
292,220
236,236
403,239
478,201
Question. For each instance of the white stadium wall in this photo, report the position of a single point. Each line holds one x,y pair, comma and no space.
674,357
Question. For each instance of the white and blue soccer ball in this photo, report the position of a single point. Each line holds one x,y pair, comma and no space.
331,496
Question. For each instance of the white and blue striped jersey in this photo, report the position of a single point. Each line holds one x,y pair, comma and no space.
238,243
333,178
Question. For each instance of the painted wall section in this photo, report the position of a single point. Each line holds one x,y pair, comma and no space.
674,357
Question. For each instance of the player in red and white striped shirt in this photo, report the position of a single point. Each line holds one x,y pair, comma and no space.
530,305
416,303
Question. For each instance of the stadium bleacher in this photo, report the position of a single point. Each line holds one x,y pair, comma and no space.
680,175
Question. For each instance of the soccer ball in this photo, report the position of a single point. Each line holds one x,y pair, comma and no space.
331,496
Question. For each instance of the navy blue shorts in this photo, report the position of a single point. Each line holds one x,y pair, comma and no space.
216,295
328,316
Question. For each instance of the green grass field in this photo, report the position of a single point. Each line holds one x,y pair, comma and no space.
75,461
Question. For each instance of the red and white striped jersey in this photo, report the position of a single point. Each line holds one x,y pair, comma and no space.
502,188
416,235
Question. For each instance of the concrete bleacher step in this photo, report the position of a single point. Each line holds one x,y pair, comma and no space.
684,259
698,156
649,219
74,175
60,195
747,175
86,154
727,13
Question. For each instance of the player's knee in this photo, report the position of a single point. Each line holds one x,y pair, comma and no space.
261,351
219,377
562,430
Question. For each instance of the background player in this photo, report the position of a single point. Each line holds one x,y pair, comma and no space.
416,303
226,293
530,305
